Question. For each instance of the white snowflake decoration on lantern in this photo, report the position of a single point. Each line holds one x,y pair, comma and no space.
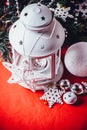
62,12
53,95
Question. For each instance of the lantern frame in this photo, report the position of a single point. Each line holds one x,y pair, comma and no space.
43,45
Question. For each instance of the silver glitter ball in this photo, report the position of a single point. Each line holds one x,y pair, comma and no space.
64,84
77,88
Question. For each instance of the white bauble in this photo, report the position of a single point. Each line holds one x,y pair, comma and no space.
76,59
70,98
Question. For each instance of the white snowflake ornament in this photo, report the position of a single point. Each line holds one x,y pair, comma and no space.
62,12
53,95
82,9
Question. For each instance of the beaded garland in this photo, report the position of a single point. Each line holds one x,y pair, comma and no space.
17,6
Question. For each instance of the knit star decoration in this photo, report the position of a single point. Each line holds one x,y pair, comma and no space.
52,96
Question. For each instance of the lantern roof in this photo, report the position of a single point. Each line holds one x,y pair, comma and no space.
35,37
36,15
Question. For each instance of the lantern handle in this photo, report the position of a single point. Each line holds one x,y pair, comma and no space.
51,32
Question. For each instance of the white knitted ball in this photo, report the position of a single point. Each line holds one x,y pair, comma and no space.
76,59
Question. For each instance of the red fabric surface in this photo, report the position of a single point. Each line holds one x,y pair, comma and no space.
21,109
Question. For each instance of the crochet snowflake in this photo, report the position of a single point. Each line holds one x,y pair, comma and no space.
81,9
62,12
53,95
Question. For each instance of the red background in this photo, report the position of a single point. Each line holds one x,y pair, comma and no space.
21,109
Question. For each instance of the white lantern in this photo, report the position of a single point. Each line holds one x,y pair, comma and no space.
36,39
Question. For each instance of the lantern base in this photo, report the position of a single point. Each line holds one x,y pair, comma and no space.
42,85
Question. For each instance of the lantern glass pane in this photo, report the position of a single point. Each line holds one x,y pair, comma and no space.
39,64
42,67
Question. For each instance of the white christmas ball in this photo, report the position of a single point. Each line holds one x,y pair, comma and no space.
76,59
69,97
